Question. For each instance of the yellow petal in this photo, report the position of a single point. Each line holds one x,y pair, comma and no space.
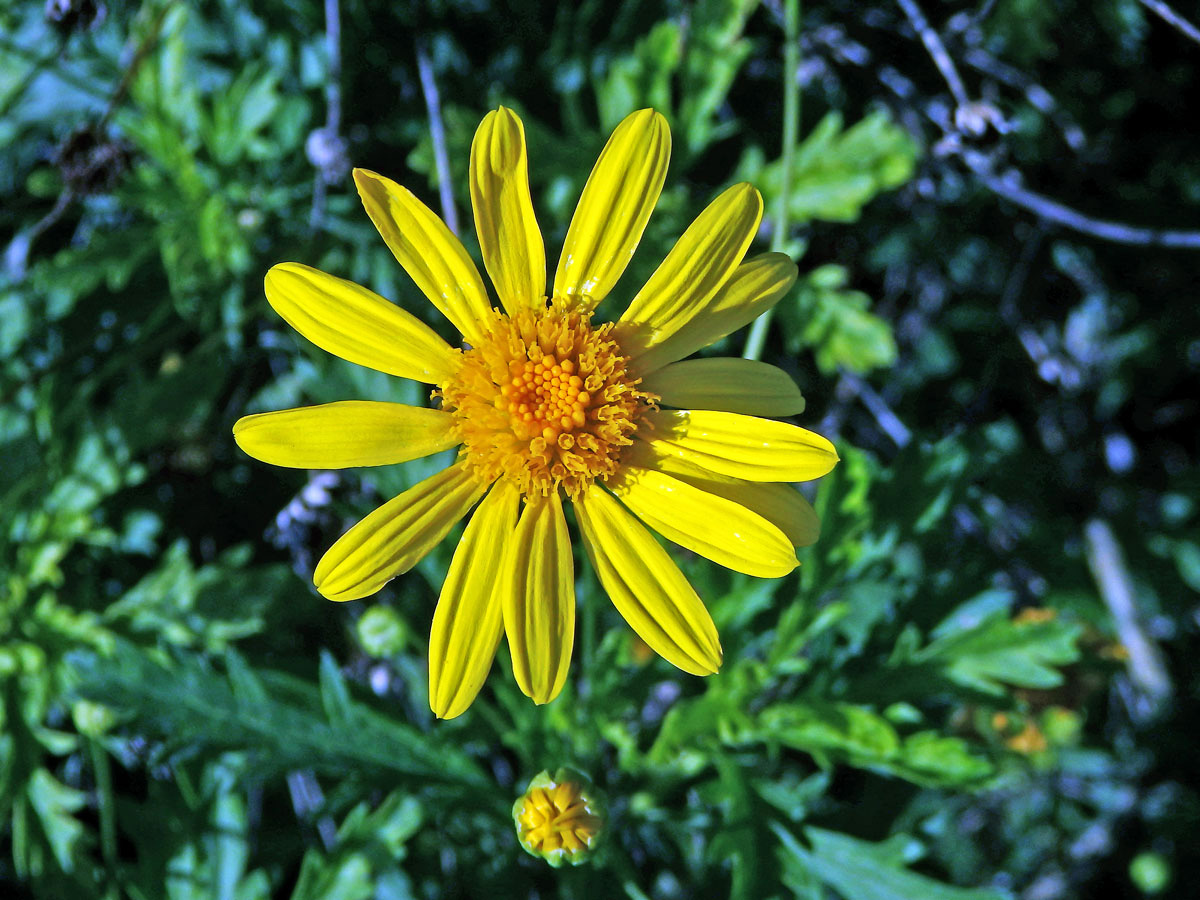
539,599
733,385
700,262
395,537
614,207
513,252
704,523
646,587
780,504
753,288
739,446
360,326
469,618
432,256
344,434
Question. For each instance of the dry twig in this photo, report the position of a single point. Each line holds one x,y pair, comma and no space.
1147,670
1009,187
1172,18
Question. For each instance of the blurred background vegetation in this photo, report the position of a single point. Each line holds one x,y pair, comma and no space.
981,682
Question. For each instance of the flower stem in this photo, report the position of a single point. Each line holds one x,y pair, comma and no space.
108,815
791,132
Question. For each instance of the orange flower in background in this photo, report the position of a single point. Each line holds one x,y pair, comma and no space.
548,406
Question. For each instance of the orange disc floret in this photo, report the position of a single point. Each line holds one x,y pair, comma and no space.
545,400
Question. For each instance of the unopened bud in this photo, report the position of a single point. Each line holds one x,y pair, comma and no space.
560,818
382,632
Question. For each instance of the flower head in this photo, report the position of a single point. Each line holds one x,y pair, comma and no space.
546,406
560,817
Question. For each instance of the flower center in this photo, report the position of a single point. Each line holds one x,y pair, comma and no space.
545,401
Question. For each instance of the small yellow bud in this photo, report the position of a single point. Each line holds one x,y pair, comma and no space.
1029,742
559,818
1035,615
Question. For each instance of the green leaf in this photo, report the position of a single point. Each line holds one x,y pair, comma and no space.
837,171
820,728
739,842
209,606
348,878
715,51
55,805
369,848
842,732
831,732
838,325
1001,651
335,695
642,77
271,717
860,870
929,758
239,112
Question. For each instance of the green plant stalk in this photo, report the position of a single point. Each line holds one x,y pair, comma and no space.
105,802
791,133
589,650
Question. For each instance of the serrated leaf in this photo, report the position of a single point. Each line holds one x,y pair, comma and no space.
848,732
641,77
861,870
838,325
842,732
190,707
837,171
369,847
715,51
335,696
1001,651
55,805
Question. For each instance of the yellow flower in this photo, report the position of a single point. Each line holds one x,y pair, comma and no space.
546,405
560,817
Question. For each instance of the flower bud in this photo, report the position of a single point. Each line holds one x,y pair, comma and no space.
382,632
92,719
560,818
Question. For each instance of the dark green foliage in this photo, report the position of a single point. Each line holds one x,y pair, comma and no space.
936,706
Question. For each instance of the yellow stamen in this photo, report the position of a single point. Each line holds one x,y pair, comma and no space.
545,400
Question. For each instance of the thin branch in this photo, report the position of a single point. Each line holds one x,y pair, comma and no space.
1172,18
1051,210
437,130
1050,366
757,337
937,50
139,56
1146,667
326,149
884,417
1035,94
16,254
1007,187
307,799
333,47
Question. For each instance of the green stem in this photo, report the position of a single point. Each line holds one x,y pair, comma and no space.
589,646
791,133
585,740
104,803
